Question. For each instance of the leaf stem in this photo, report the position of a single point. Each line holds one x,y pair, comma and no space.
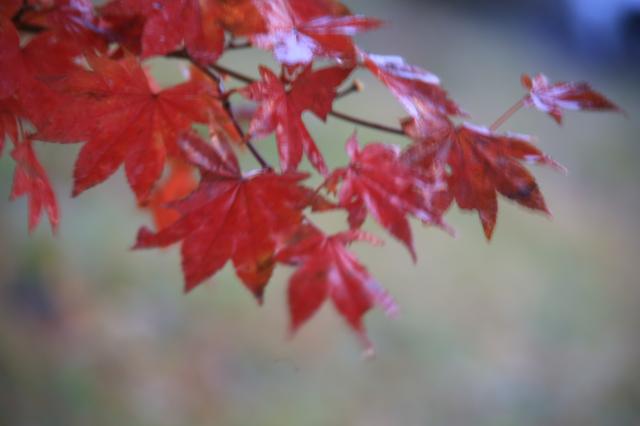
356,87
508,114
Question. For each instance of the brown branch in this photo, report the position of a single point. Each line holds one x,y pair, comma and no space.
356,87
231,73
238,45
339,115
366,123
226,105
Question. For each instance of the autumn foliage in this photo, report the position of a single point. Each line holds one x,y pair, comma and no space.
74,73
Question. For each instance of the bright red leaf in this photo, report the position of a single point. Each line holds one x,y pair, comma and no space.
170,25
481,164
74,20
8,121
328,270
11,64
556,97
8,8
280,110
418,90
30,179
298,31
231,217
378,182
126,122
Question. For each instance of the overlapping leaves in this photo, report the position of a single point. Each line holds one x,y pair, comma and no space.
72,73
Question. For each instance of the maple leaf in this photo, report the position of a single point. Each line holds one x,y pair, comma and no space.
230,217
553,98
240,17
49,57
26,72
11,63
299,31
8,121
126,122
280,110
378,182
30,179
481,164
328,270
179,183
418,90
171,24
74,20
8,8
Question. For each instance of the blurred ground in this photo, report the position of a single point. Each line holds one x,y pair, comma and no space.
540,327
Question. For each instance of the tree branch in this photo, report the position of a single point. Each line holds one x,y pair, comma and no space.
226,105
339,115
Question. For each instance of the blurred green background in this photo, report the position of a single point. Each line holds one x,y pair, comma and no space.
539,327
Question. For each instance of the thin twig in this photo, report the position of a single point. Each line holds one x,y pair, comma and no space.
340,115
365,123
235,45
226,105
508,114
355,87
231,73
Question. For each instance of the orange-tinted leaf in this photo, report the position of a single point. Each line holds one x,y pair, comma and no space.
299,31
280,110
328,270
240,17
30,179
378,182
230,217
556,97
179,183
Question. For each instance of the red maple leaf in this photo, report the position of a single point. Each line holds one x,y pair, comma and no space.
240,17
553,98
30,179
378,182
280,110
8,8
179,183
328,270
298,31
11,63
170,25
74,20
230,217
8,121
481,164
418,90
125,121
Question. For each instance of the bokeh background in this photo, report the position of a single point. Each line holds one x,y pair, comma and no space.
538,327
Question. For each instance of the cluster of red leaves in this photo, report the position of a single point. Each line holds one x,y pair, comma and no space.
71,73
